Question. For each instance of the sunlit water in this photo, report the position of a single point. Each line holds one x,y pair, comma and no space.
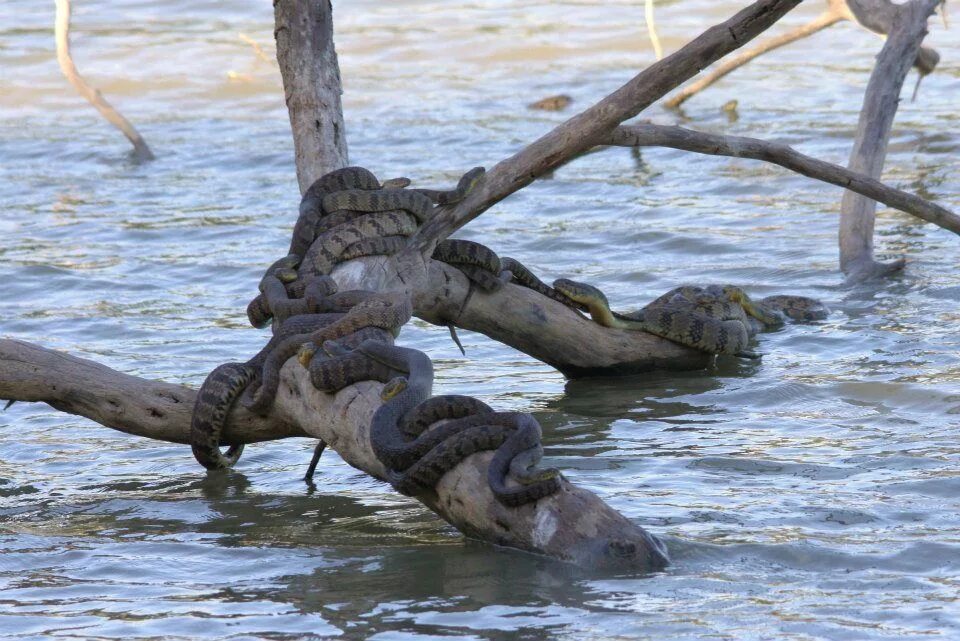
809,495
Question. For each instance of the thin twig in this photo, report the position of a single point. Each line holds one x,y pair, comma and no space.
93,96
821,22
652,30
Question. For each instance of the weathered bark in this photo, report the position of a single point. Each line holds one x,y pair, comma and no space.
587,128
311,85
547,330
94,97
857,213
647,135
573,525
127,403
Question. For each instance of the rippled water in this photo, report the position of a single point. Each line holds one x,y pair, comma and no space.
810,495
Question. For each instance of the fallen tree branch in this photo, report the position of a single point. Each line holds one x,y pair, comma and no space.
572,525
545,329
647,135
880,101
587,128
94,97
127,403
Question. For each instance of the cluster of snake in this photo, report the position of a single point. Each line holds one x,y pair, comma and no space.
343,337
718,319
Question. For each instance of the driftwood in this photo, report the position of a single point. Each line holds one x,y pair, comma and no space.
311,86
93,96
908,26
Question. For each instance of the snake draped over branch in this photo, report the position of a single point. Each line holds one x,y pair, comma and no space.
346,337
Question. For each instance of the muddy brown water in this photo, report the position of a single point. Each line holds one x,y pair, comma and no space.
812,494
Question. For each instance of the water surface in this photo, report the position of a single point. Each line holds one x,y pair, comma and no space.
810,495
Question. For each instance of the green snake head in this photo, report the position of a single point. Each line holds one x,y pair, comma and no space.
588,295
469,180
394,387
305,353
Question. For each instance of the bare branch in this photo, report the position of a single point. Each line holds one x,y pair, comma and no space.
93,96
587,128
652,30
647,135
547,330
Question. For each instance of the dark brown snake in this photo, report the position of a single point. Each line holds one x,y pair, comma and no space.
416,466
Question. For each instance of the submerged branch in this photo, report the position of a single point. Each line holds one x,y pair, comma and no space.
93,96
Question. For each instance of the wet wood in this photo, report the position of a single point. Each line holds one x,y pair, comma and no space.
131,404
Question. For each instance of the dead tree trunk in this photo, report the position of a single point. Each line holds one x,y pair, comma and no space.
907,28
311,86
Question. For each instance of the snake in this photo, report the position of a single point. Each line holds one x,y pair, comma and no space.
311,203
770,311
522,275
416,466
496,431
478,262
388,311
680,323
453,196
798,308
227,382
326,250
216,397
436,408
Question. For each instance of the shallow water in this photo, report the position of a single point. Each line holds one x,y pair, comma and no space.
810,495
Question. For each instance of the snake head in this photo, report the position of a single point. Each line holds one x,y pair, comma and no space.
395,183
470,179
580,292
394,387
305,353
286,275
